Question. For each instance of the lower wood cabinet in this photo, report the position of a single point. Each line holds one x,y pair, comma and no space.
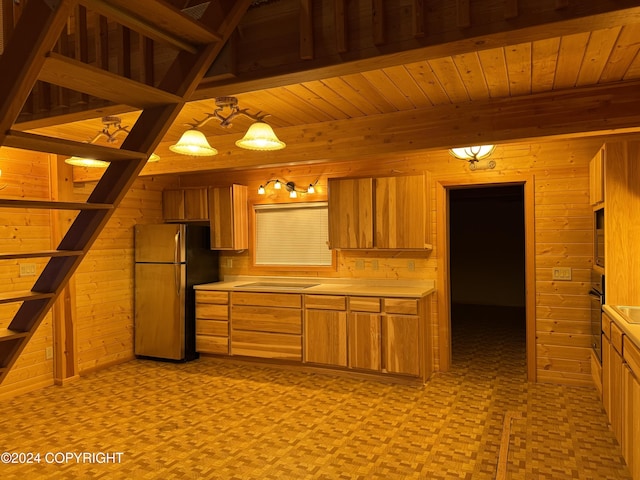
365,348
362,333
325,337
266,325
401,334
212,322
631,408
621,391
325,330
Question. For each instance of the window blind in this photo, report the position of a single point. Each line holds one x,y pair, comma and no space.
292,234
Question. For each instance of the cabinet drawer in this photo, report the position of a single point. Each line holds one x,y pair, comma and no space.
209,344
616,338
364,304
632,356
211,311
405,306
606,326
212,327
206,296
266,319
291,300
266,345
325,302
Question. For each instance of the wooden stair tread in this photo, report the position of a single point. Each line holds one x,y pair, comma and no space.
11,203
14,297
6,334
45,144
69,73
158,20
41,254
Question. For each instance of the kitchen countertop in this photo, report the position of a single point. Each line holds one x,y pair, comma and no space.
624,316
324,286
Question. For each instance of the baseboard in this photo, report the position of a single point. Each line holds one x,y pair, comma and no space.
102,366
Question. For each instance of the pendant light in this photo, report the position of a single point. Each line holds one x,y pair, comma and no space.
260,136
193,142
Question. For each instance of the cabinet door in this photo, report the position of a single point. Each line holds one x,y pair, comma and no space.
350,213
364,341
325,337
228,218
400,215
401,334
616,400
196,205
173,205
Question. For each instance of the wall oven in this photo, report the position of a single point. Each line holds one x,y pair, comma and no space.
596,298
598,237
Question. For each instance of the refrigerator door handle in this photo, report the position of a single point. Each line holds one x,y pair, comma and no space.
176,259
176,250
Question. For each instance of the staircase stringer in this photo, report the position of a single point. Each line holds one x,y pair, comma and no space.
181,80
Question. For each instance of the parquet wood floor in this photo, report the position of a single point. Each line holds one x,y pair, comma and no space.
214,419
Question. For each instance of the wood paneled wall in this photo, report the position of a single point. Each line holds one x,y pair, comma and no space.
563,235
25,175
104,281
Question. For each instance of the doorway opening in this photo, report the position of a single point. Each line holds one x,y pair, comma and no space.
487,258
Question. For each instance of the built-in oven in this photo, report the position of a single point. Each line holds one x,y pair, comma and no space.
596,297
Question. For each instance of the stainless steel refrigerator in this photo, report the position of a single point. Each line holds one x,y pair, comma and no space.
169,260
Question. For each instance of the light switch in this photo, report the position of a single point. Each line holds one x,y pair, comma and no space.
561,273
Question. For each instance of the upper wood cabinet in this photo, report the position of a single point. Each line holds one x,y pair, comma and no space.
401,219
596,178
185,205
350,213
385,212
229,217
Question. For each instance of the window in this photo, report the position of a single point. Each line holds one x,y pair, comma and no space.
292,235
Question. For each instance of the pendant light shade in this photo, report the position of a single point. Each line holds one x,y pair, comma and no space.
260,136
86,162
193,142
473,154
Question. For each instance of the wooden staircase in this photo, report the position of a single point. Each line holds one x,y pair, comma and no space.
29,56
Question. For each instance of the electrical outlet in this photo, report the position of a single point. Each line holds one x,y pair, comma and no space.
561,273
411,265
359,264
374,264
229,262
27,269
48,353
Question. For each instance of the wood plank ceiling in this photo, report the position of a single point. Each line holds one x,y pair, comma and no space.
600,56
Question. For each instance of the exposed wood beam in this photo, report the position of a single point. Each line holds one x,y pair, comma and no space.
586,111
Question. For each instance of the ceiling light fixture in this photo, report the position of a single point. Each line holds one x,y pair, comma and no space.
289,186
260,136
111,137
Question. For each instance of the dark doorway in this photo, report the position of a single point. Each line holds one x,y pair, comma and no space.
487,272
